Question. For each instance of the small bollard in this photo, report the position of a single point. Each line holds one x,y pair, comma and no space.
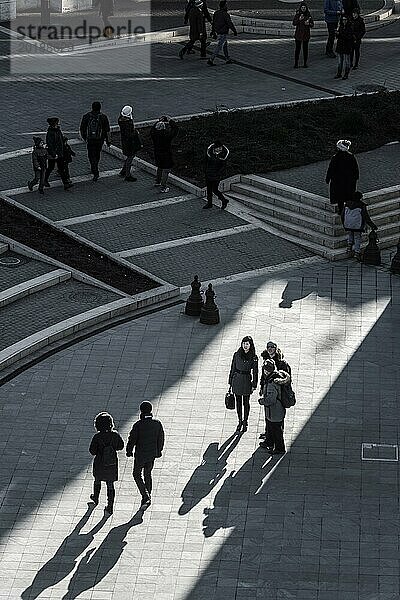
395,266
209,314
195,302
372,254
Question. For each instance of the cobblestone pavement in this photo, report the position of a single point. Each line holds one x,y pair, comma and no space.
226,520
27,268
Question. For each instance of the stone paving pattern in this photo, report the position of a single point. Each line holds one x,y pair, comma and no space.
52,305
27,269
226,520
219,257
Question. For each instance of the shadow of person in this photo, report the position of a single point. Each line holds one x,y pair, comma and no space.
295,289
64,560
244,485
97,563
206,476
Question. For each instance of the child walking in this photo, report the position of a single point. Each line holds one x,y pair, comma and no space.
68,154
344,46
39,163
359,32
303,22
355,217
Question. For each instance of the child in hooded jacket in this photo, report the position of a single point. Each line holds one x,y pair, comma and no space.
355,217
39,163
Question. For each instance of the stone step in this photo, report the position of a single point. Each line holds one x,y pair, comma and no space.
32,286
378,196
287,191
3,248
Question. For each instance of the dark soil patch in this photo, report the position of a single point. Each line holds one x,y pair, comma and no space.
22,227
283,137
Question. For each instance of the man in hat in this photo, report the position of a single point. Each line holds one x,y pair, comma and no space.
130,141
95,130
342,175
55,151
147,437
196,14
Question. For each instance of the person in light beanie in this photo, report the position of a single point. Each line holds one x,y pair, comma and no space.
342,175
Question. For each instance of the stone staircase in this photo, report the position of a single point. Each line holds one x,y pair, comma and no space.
310,220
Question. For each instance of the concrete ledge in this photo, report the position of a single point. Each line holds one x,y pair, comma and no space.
3,248
31,286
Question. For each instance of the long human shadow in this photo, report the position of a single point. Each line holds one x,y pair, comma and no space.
64,560
206,476
98,562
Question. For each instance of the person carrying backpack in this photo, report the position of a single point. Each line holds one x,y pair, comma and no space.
355,217
95,130
274,409
104,447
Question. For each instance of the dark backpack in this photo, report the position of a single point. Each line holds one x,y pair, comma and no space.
94,129
288,397
109,456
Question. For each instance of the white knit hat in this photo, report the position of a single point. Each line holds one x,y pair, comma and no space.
198,3
343,145
127,111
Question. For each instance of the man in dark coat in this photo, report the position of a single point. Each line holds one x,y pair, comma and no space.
95,130
221,25
359,32
196,14
216,157
342,175
55,151
147,437
130,141
162,133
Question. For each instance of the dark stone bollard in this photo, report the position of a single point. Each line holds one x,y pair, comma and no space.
209,313
395,266
195,302
372,254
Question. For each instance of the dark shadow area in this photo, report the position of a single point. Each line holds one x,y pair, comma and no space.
64,560
206,476
98,562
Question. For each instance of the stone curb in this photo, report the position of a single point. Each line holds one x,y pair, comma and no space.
3,248
31,286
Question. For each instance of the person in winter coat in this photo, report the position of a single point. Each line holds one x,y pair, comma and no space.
349,6
344,46
147,437
55,151
162,133
216,157
342,175
303,22
221,24
273,408
359,32
95,130
130,141
39,163
68,156
243,378
197,29
204,8
332,11
354,218
274,353
104,447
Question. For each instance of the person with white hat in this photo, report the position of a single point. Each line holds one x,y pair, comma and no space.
342,175
130,141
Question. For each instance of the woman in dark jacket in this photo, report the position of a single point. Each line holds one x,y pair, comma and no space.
162,133
359,32
342,175
55,151
303,22
104,447
216,157
243,379
130,141
344,46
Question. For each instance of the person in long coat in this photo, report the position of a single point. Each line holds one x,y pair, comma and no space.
197,28
162,133
104,447
243,378
342,175
303,22
130,141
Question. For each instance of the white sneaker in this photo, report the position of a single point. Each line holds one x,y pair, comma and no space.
164,190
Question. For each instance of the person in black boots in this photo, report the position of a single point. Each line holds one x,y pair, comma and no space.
95,130
342,175
243,378
162,133
303,22
147,437
273,407
39,163
344,46
55,151
359,32
104,447
196,14
216,157
130,141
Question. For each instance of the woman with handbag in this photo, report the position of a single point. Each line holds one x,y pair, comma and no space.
243,379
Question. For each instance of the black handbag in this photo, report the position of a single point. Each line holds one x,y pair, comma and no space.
230,400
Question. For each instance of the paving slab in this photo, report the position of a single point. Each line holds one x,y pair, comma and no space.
26,268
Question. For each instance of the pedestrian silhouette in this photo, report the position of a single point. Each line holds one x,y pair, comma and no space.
98,562
206,476
64,560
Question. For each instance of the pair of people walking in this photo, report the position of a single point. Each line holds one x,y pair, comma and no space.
349,34
146,439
